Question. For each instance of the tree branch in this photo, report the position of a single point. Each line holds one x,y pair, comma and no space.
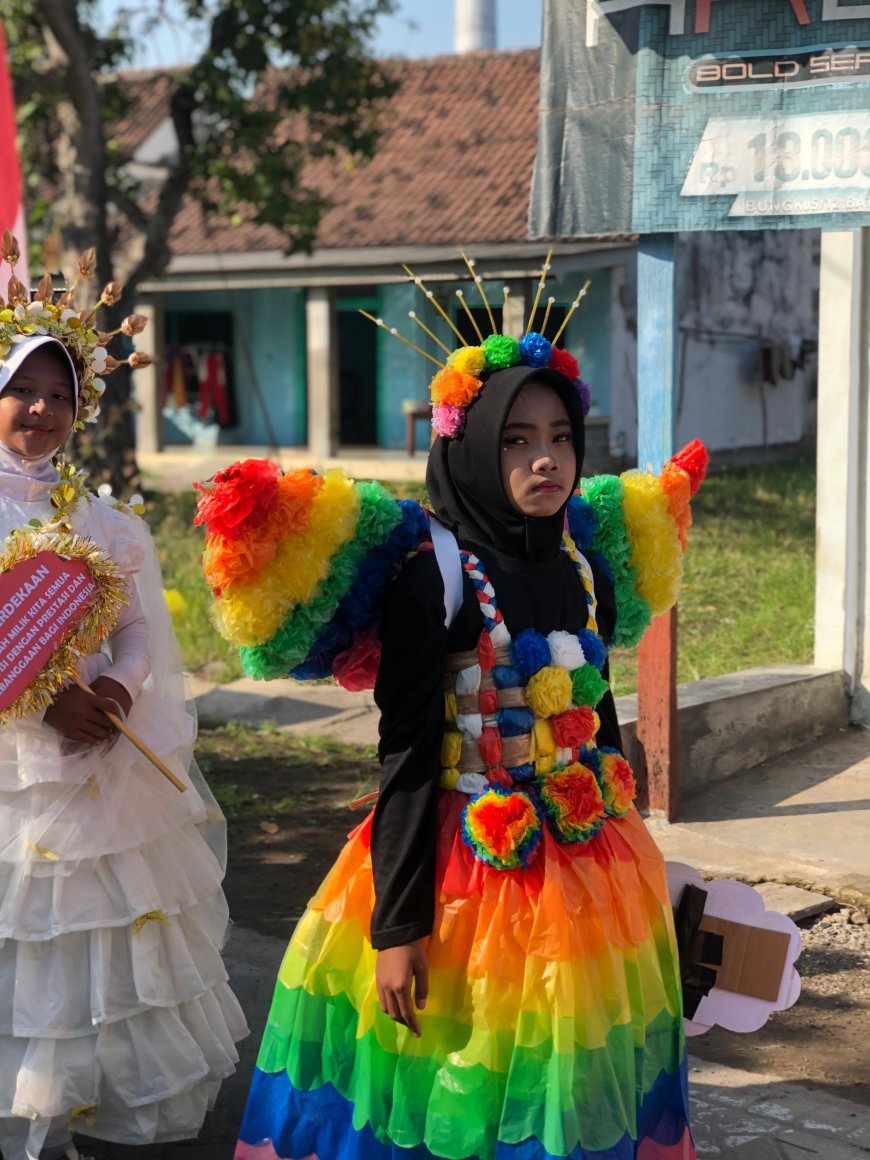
76,44
155,254
130,208
33,83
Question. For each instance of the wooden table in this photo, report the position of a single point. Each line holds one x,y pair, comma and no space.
414,413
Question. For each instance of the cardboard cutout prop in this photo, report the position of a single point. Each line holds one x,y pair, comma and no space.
736,957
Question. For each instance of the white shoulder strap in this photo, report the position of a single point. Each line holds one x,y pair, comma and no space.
450,566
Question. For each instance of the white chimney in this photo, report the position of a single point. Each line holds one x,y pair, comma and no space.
475,25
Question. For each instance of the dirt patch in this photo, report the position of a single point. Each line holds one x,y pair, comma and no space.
286,802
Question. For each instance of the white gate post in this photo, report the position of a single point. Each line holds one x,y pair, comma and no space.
842,633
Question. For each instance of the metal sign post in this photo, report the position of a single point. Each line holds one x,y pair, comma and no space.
657,654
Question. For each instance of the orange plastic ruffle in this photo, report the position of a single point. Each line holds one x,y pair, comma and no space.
234,563
614,887
677,486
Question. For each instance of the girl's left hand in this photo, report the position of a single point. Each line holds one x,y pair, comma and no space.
396,970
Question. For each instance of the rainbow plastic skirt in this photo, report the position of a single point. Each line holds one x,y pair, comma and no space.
553,1026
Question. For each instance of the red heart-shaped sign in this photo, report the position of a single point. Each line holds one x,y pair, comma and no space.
42,599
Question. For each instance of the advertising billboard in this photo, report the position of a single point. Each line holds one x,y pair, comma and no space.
702,115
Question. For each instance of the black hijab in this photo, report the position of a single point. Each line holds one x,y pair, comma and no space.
464,475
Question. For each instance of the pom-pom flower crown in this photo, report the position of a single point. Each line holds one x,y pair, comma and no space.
22,317
459,381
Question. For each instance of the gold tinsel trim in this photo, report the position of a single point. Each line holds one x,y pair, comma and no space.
43,852
159,916
89,633
87,1113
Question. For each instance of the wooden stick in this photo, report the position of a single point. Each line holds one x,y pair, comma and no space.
570,313
412,314
140,745
465,307
544,271
362,802
419,283
392,330
478,281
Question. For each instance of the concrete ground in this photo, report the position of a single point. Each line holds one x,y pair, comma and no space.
803,818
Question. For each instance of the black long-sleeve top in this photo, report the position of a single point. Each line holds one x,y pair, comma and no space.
409,693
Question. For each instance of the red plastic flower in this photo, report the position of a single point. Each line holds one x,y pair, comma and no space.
565,363
574,728
241,498
489,745
498,775
502,828
488,699
357,667
693,459
617,783
574,803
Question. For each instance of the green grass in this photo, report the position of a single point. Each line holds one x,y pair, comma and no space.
179,546
747,599
748,595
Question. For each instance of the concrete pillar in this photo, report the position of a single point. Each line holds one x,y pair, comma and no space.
842,625
475,26
147,382
519,304
322,372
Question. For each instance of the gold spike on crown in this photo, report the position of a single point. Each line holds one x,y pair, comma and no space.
459,380
22,317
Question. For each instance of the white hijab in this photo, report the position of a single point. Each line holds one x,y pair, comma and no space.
22,477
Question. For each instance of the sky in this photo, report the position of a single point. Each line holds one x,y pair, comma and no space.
419,28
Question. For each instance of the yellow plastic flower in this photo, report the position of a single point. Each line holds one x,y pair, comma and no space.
450,707
252,615
549,691
656,551
543,748
449,779
469,359
451,748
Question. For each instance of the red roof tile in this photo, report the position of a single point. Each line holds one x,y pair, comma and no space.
149,91
454,164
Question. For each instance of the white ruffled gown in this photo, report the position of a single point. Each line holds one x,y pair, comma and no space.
115,1009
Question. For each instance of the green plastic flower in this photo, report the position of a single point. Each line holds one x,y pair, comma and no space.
502,351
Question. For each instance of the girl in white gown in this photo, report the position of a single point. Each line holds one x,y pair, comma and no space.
116,1019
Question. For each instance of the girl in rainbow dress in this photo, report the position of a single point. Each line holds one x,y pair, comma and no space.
116,1018
489,970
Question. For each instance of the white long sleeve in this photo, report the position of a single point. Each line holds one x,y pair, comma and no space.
130,648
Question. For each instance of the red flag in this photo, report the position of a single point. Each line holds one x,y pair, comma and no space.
11,204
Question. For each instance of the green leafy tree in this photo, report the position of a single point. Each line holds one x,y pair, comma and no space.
277,83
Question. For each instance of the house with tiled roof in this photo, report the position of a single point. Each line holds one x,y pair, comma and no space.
258,348
302,364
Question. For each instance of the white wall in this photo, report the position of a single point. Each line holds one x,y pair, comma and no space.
737,293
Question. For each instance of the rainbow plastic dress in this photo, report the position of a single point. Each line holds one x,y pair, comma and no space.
553,1026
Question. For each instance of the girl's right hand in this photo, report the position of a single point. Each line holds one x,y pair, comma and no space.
397,969
79,716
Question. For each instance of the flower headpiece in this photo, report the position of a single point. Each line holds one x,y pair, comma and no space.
22,318
459,381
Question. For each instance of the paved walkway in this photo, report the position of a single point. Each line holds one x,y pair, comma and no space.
803,818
